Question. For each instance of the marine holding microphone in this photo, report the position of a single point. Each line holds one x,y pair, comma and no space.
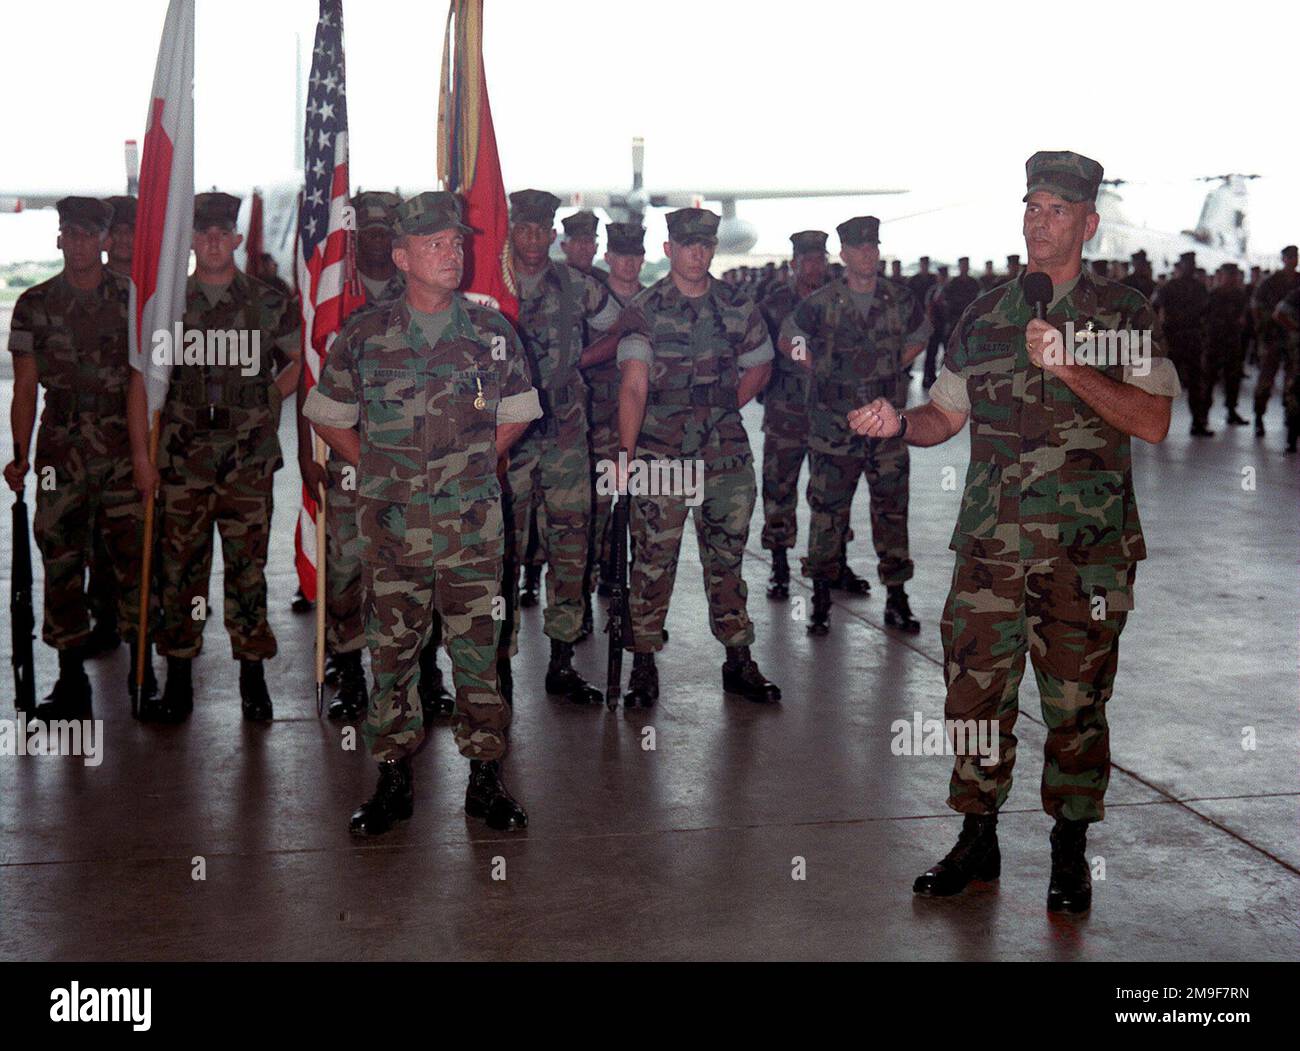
1048,537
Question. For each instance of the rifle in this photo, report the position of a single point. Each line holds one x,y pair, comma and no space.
619,623
21,617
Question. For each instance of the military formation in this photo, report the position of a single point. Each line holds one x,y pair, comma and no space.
469,458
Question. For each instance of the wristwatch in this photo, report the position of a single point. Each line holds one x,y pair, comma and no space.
902,418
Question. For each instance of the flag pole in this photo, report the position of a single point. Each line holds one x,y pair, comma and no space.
142,648
318,451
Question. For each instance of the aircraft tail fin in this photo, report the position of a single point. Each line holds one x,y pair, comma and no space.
1223,224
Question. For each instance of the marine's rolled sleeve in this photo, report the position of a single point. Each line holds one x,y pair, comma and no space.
602,309
335,401
22,340
519,402
756,345
949,392
917,322
1159,375
635,345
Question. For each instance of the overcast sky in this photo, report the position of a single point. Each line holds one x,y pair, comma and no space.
945,98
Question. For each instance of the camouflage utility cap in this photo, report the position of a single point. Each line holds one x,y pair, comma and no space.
688,226
429,213
375,208
123,210
533,206
86,212
860,230
1070,176
580,224
215,209
806,241
626,238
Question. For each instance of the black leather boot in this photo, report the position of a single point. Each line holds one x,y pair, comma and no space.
1200,430
1235,418
820,622
849,582
148,699
331,669
1259,425
643,685
778,584
532,583
393,801
588,623
178,694
975,857
434,698
253,697
505,681
353,697
563,679
740,675
487,797
898,614
1070,889
71,696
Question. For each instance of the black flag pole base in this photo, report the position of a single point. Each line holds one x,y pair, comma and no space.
320,699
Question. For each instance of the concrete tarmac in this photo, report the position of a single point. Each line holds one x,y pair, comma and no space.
688,850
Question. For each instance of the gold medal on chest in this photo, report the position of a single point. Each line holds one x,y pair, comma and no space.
480,402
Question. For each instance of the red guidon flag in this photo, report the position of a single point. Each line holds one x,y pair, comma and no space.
468,163
165,216
327,280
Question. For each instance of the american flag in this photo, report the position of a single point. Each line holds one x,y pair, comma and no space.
329,287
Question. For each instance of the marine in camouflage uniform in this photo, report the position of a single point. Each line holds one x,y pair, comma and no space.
217,455
579,244
1272,338
1183,303
551,465
785,410
625,253
695,351
1225,318
860,333
69,335
1287,316
1048,535
101,585
417,392
1140,279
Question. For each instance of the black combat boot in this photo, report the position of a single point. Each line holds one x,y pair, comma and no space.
1199,430
104,639
849,582
353,697
331,669
778,584
1070,889
253,697
486,797
643,686
975,857
563,679
1235,419
1259,425
898,614
820,624
588,624
1291,430
148,699
434,698
740,675
178,694
532,583
393,801
505,681
70,698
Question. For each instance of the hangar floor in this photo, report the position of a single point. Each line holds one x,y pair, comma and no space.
688,851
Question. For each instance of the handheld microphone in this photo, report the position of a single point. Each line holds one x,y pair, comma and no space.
1038,293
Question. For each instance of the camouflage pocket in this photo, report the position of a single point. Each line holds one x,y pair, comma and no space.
394,403
1092,508
481,521
978,517
1108,587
